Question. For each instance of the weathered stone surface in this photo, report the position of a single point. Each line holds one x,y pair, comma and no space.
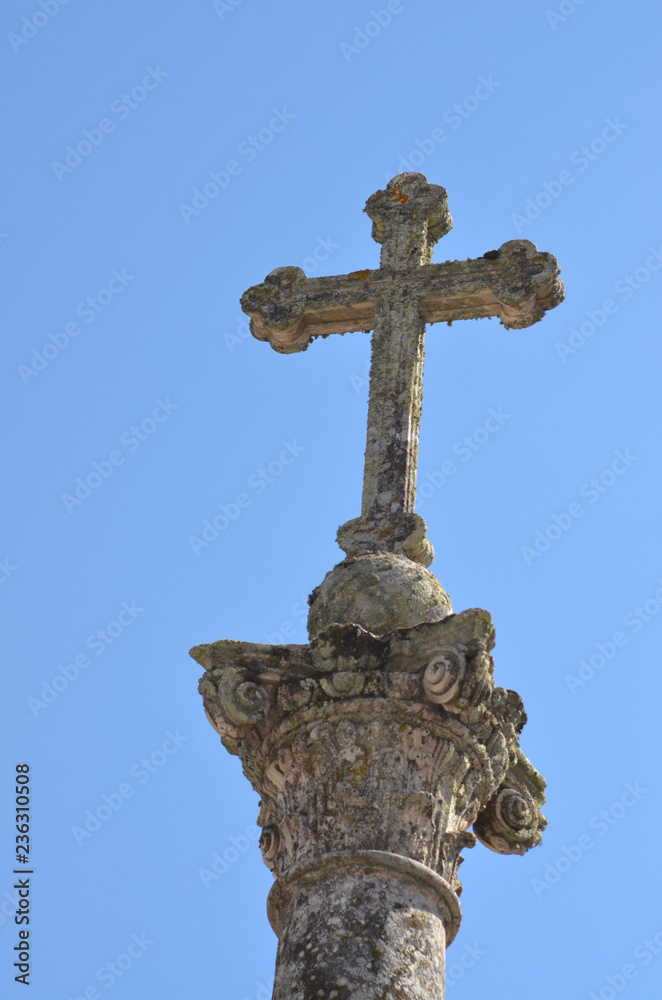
517,283
517,286
393,744
381,591
379,744
365,742
362,925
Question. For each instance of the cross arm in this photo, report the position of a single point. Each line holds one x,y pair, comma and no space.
289,310
517,284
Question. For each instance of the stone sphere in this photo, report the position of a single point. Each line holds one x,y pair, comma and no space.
381,592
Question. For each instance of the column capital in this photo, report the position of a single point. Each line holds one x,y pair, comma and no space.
396,743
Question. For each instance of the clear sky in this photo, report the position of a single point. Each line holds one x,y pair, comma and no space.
136,405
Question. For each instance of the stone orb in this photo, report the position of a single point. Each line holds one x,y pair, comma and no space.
381,592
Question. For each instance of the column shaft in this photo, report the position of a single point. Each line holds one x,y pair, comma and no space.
364,925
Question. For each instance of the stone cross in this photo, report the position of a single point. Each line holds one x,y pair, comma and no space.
515,283
375,746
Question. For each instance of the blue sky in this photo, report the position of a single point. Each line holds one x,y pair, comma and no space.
126,361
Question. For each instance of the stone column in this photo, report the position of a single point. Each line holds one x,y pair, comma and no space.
374,748
362,924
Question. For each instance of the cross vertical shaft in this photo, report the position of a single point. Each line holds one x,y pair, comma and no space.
408,219
394,410
398,350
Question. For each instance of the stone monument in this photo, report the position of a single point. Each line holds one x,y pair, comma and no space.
377,745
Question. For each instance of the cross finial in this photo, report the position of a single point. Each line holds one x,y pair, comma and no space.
407,219
516,283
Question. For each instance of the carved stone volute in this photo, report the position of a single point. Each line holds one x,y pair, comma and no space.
395,743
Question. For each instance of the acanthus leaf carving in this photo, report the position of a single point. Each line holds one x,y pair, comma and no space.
343,684
296,694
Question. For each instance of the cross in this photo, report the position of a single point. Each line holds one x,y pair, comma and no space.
517,283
